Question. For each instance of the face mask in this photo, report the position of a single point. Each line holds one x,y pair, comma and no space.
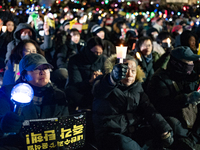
26,37
182,67
165,45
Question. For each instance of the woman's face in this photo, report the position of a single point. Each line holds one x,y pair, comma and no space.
192,42
29,48
39,77
10,26
146,48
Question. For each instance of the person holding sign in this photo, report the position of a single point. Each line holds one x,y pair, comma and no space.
48,101
123,117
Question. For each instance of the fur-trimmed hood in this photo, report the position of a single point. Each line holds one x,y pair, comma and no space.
110,62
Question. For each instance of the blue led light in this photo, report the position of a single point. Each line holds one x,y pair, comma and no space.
22,93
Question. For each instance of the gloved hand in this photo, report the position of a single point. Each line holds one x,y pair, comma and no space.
167,139
193,98
119,72
11,123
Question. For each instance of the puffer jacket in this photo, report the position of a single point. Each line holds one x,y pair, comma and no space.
118,108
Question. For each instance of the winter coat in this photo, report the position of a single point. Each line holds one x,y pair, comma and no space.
164,95
147,68
11,73
66,51
44,46
80,70
54,104
119,108
109,48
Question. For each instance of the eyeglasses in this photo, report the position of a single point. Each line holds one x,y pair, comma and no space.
46,70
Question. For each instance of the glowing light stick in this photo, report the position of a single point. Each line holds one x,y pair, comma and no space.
21,95
121,52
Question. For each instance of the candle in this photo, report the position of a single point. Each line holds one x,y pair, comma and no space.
121,52
168,42
4,28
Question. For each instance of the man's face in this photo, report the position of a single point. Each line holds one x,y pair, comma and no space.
131,73
146,48
75,37
39,77
101,34
25,32
97,50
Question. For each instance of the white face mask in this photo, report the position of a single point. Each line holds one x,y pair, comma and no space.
26,37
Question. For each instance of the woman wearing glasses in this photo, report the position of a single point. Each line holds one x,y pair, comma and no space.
48,101
12,67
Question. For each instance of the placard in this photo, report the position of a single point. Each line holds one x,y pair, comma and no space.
44,134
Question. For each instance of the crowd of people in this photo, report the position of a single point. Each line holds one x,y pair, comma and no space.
148,102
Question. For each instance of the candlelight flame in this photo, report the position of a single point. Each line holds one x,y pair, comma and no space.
121,45
138,56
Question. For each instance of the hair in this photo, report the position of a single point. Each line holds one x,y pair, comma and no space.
92,42
162,35
185,36
17,52
159,19
75,31
141,41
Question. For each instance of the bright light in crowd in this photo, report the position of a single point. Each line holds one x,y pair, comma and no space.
22,93
151,3
139,2
55,15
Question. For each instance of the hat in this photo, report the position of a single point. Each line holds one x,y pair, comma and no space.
66,22
151,30
176,28
184,52
96,29
131,33
92,42
31,61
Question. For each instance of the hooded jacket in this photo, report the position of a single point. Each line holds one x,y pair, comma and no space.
119,108
44,46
